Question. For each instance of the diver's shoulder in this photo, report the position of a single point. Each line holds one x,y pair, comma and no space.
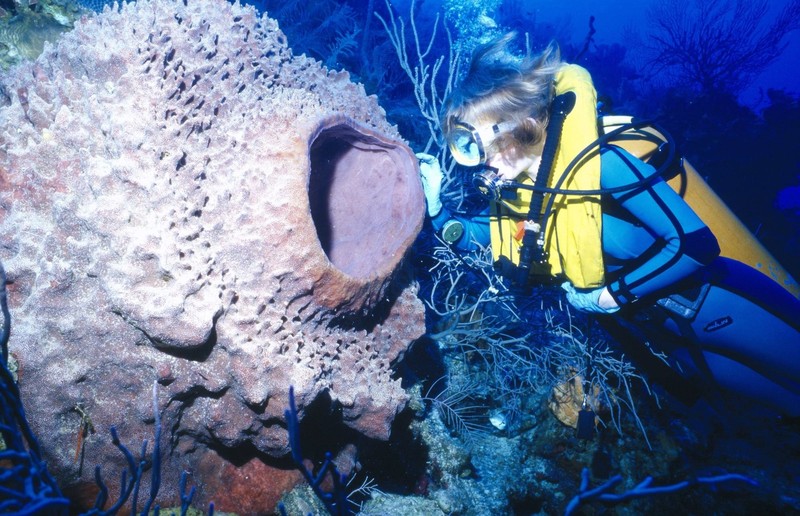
617,159
611,152
619,167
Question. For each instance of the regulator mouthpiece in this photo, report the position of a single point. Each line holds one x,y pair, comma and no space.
489,184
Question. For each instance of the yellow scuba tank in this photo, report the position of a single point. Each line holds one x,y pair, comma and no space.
735,240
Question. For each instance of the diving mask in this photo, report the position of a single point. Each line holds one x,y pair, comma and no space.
468,143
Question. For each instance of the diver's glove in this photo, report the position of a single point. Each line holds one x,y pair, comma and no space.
590,301
432,178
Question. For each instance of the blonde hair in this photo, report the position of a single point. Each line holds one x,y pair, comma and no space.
499,87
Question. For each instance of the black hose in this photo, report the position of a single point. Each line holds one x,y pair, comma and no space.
532,248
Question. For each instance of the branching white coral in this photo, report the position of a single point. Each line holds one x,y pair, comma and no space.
517,355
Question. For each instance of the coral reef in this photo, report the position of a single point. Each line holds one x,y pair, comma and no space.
183,200
473,22
25,483
25,27
95,5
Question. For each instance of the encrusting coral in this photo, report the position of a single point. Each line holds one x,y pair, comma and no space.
184,200
26,25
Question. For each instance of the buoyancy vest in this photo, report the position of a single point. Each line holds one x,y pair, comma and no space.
573,235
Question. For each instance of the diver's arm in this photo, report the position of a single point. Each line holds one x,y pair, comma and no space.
474,229
688,244
463,232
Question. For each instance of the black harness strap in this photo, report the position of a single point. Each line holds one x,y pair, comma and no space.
532,251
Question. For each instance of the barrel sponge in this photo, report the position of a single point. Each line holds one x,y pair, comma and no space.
183,200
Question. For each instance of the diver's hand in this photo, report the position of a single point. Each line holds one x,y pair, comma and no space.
597,301
432,177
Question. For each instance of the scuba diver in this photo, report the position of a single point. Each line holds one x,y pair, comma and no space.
568,205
